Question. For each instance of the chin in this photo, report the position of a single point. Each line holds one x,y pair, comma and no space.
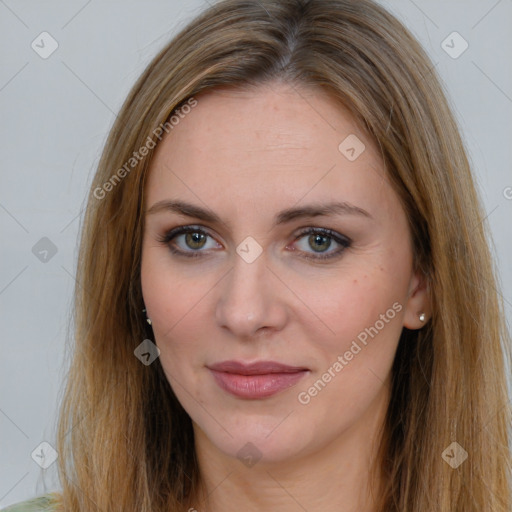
261,440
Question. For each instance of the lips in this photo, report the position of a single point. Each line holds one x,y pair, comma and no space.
257,380
258,368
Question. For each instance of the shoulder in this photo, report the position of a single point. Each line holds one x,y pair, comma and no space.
46,503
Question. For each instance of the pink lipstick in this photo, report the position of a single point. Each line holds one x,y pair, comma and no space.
255,380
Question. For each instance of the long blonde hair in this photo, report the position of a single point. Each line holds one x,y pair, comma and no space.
125,442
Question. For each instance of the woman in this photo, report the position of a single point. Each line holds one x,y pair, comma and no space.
286,297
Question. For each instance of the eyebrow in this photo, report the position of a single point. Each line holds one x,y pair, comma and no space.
283,217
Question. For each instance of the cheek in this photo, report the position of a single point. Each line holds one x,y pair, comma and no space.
352,363
352,305
170,293
176,301
360,303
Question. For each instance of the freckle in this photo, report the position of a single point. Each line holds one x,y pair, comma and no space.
355,281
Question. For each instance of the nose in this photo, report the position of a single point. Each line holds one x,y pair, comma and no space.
251,300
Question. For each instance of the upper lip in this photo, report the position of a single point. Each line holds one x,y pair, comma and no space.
257,368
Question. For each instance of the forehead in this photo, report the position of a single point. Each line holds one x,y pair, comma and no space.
259,143
276,116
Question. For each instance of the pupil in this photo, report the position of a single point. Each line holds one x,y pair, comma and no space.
320,241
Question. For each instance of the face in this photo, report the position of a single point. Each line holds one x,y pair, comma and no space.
270,237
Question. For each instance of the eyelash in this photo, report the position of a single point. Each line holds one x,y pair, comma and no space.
342,240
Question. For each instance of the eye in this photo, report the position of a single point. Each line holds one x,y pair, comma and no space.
188,241
321,240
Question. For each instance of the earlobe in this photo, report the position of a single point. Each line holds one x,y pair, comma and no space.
418,307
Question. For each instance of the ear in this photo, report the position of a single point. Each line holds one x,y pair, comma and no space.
418,302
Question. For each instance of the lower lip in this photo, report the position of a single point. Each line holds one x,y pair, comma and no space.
256,386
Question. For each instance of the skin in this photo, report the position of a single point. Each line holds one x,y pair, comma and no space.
247,155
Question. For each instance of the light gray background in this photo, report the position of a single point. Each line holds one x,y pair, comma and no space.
56,113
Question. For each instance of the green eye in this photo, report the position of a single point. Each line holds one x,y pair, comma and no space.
321,240
195,240
187,241
313,243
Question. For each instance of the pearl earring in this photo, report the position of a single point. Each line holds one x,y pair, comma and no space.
422,317
148,320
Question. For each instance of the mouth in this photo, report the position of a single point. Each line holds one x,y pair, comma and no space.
255,380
